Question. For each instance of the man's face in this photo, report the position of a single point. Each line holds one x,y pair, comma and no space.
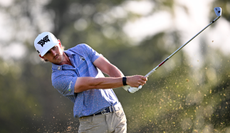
54,55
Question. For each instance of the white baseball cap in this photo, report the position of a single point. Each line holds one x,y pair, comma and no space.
44,42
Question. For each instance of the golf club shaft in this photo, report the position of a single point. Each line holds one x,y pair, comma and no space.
154,69
218,11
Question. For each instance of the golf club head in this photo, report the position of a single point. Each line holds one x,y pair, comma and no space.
218,11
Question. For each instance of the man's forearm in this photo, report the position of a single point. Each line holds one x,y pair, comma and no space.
87,83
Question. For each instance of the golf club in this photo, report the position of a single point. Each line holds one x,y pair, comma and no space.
218,12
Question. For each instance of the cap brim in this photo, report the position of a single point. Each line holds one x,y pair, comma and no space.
48,48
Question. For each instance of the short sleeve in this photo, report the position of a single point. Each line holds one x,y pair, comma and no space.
89,52
64,84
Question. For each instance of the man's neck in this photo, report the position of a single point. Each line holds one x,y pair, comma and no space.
66,59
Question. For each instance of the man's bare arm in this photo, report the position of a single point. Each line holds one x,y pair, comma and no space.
87,83
106,67
114,81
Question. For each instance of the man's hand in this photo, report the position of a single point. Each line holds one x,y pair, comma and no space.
135,83
136,80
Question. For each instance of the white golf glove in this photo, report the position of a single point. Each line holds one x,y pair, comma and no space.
132,89
126,87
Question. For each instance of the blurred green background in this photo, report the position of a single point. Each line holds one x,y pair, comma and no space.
188,94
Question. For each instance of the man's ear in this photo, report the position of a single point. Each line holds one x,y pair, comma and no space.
41,57
59,43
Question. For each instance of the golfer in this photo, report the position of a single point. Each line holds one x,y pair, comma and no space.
77,75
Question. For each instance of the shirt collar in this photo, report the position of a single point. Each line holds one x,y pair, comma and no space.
60,67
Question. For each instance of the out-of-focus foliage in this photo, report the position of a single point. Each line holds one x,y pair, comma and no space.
178,97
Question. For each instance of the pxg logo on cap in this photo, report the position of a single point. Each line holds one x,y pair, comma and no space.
44,42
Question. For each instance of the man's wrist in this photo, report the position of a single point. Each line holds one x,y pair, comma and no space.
124,79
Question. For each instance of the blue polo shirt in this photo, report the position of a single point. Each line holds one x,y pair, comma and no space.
64,78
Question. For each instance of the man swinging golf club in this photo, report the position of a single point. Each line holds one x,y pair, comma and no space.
76,74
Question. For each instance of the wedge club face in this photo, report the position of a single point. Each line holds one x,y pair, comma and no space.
218,11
